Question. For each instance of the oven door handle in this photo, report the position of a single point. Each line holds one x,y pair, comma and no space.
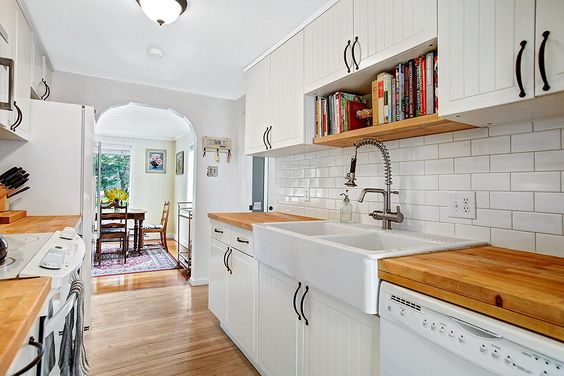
36,360
52,323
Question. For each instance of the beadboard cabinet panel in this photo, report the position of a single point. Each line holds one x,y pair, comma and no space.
218,281
325,47
23,71
286,93
407,24
549,16
257,106
279,328
241,300
479,44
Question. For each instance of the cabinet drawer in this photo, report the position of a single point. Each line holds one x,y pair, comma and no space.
220,231
242,240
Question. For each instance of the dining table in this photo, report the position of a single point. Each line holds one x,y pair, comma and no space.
137,216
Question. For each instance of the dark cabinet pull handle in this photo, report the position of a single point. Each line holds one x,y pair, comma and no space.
227,263
218,231
352,50
35,361
47,90
268,129
345,56
302,306
242,240
295,296
264,138
546,86
518,69
224,259
18,119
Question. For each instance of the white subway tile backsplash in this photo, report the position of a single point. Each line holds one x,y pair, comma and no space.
493,218
547,140
512,200
412,168
425,213
441,229
549,160
415,141
437,198
491,182
398,155
492,145
550,244
427,182
545,124
439,166
454,182
470,134
425,152
472,164
512,162
536,181
538,222
511,128
513,239
549,202
455,149
472,232
439,138
483,199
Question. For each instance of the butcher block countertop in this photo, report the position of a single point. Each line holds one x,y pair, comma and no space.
522,288
40,224
246,220
20,302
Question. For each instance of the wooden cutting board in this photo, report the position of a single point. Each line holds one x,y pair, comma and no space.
523,288
11,216
246,220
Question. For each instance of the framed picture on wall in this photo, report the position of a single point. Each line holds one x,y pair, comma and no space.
155,161
180,163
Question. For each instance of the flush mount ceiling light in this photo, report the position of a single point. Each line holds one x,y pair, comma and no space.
163,11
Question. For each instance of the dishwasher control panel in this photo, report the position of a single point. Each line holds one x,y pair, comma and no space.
469,341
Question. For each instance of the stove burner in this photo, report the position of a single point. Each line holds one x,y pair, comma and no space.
22,239
7,261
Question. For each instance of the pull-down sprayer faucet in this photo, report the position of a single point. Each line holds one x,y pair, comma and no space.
385,215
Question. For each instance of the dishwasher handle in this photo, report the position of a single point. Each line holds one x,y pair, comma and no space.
475,330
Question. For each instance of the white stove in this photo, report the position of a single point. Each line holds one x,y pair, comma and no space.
21,249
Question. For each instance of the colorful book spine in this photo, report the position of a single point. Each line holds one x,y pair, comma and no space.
393,100
418,87
411,88
400,84
381,115
429,84
436,80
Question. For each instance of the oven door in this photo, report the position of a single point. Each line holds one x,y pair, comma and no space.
406,353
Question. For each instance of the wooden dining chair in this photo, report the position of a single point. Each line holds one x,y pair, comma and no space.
112,225
160,228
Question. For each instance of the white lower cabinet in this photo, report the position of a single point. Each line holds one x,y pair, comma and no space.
218,280
304,332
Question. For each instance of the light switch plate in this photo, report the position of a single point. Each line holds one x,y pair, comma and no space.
462,205
213,171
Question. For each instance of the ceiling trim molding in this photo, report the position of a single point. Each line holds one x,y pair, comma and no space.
290,34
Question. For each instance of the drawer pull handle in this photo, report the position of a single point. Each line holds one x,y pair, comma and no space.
225,259
546,86
218,231
36,360
302,306
295,296
242,240
229,255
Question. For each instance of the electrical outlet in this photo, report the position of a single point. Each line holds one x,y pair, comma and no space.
213,171
462,205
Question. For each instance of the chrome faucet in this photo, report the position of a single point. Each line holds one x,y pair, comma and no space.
385,215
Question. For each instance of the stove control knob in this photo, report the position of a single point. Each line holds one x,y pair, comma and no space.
508,360
461,339
425,323
495,355
433,326
402,312
483,349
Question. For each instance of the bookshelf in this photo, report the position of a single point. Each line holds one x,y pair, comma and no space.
413,127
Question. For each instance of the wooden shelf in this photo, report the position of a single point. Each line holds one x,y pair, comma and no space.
419,126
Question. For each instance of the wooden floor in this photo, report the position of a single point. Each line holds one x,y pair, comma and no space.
155,323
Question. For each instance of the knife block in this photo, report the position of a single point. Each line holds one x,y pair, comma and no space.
3,199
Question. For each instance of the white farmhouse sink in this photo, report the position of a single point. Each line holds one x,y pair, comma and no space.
341,259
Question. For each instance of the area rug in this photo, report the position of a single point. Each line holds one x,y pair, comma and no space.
153,257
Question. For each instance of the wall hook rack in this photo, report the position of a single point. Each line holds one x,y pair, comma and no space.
217,145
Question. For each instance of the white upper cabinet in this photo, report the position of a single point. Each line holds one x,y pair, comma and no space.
23,71
550,46
406,24
486,53
328,43
286,94
257,103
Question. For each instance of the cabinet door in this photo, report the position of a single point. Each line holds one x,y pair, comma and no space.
242,300
549,18
8,49
257,106
217,298
37,69
22,72
287,93
478,49
407,24
337,339
279,328
325,41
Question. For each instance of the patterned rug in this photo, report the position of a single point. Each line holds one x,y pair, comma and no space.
153,257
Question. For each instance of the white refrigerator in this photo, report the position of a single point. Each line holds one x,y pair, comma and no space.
59,159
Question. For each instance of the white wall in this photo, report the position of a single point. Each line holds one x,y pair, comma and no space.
184,184
516,170
209,116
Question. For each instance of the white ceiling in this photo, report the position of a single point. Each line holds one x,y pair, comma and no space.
139,121
205,49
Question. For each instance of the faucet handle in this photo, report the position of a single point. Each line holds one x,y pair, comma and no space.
395,192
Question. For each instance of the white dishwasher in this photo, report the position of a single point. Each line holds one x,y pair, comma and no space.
421,336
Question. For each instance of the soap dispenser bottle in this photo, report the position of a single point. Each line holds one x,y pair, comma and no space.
346,208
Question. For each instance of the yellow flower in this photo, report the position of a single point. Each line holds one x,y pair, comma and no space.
116,194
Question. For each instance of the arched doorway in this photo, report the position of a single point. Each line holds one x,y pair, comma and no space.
148,152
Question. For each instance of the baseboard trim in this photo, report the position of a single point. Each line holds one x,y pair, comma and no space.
198,282
254,362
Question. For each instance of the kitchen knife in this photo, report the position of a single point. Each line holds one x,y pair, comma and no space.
18,192
9,172
9,176
12,181
19,183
